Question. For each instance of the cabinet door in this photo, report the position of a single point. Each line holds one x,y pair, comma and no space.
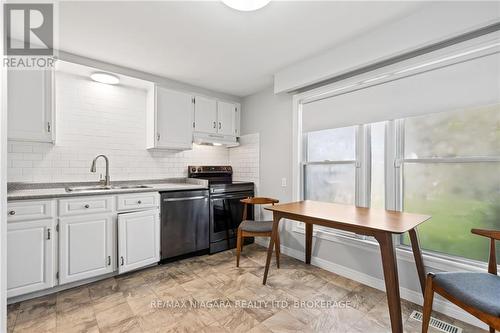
30,256
174,119
86,246
138,240
205,115
226,117
30,105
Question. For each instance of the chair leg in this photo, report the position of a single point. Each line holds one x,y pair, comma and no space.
277,248
238,247
428,298
492,329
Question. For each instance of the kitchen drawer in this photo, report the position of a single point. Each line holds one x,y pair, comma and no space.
30,210
137,201
85,205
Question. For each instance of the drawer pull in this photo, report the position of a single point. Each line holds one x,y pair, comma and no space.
109,260
86,206
139,202
122,261
12,212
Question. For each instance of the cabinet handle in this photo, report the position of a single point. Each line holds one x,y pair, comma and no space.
87,206
219,125
215,124
48,234
158,137
122,261
139,202
12,212
48,127
109,260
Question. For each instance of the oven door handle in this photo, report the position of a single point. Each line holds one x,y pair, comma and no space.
185,199
230,196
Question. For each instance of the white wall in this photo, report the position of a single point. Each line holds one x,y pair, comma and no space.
94,118
434,22
270,116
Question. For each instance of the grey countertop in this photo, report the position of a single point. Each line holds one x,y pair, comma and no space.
23,191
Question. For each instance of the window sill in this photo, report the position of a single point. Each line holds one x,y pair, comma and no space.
403,253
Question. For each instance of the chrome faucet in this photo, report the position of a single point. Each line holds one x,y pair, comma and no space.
93,168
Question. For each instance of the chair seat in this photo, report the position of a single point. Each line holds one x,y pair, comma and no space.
479,290
256,226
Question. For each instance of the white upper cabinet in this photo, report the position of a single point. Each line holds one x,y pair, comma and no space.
205,115
227,118
30,259
216,117
30,105
169,119
138,239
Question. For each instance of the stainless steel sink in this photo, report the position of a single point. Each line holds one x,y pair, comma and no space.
104,188
88,188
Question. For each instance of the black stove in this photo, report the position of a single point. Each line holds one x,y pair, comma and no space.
220,179
226,210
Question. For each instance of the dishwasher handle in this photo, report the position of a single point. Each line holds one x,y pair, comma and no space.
186,198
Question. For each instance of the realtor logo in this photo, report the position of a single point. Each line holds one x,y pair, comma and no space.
29,29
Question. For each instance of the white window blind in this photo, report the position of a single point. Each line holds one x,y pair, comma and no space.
460,86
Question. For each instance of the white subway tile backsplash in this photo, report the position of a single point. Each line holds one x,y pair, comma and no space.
21,147
21,164
245,159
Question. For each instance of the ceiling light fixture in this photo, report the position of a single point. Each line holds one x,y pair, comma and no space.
246,5
106,78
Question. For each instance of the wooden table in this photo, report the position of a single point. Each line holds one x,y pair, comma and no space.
379,223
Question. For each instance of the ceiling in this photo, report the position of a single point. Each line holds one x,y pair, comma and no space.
207,44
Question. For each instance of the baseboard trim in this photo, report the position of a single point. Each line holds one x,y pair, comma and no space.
439,305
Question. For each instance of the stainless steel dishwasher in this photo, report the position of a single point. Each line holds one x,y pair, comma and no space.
185,219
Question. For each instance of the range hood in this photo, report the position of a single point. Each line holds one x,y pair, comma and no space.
215,140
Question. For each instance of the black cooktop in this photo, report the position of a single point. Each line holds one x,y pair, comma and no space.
220,178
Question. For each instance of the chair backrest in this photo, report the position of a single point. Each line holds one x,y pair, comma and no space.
259,201
256,201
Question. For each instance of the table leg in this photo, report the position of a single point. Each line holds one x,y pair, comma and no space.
419,262
389,264
276,221
309,240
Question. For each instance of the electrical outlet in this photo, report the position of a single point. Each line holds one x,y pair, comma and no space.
283,182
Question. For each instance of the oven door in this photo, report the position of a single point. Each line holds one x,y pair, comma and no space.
226,215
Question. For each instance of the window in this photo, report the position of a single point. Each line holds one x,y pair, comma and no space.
451,170
330,167
439,154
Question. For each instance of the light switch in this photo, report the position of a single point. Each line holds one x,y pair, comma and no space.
283,182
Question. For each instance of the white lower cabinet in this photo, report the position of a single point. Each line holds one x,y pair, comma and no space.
138,239
51,242
86,246
30,259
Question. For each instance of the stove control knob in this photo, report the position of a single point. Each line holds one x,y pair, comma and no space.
193,169
199,169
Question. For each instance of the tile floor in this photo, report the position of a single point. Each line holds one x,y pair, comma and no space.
207,294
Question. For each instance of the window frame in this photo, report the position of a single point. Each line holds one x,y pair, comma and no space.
394,140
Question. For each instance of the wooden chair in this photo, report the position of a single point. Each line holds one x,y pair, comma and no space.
476,293
250,228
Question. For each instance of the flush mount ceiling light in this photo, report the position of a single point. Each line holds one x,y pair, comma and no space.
246,5
103,77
